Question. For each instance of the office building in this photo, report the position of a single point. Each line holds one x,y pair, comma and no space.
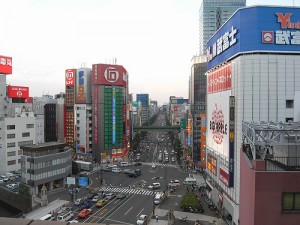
252,117
212,15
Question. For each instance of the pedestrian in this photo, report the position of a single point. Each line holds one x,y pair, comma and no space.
156,218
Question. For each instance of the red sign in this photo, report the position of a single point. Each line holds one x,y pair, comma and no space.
70,77
106,74
17,92
5,65
219,80
224,176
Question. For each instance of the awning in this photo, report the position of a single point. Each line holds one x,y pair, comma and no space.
209,186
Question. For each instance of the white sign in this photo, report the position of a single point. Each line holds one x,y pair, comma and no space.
70,180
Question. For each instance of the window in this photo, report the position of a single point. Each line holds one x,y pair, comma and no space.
29,125
27,134
12,153
20,152
11,144
11,162
9,136
291,202
289,104
11,127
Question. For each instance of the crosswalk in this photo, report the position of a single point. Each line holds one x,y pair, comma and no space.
137,191
160,164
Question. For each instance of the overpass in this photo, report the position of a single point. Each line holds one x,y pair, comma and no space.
156,128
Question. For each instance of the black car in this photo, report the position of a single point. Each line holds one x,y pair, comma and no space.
132,175
91,195
138,164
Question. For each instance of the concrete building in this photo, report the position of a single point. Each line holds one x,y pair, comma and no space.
198,105
144,99
253,76
46,164
212,15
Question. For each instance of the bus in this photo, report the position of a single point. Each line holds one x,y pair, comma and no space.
86,166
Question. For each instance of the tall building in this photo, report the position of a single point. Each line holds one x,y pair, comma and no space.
83,110
144,99
212,15
253,166
110,112
198,106
69,110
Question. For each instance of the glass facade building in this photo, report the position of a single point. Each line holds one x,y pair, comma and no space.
212,15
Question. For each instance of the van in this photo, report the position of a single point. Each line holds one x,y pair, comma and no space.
116,170
65,216
47,217
157,199
124,164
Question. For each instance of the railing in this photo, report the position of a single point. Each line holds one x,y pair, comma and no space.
283,164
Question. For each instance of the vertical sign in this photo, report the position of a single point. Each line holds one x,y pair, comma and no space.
231,141
113,115
96,114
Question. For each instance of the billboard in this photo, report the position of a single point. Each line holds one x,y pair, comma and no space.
106,74
218,121
83,86
70,77
5,65
17,92
255,29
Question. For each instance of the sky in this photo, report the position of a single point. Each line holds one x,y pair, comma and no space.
154,40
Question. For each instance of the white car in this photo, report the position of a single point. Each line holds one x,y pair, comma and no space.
78,201
153,166
96,198
142,220
154,186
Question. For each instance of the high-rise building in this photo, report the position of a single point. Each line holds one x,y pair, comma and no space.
198,106
212,15
144,99
111,126
253,88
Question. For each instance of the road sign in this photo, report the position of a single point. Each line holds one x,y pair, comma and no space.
83,181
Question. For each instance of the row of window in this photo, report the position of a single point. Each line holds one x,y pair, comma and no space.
13,153
13,162
10,136
291,202
50,173
13,127
49,163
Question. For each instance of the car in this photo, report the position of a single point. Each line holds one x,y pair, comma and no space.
173,159
153,166
142,220
78,201
154,186
120,195
101,202
138,164
96,198
87,203
4,178
84,213
11,186
91,195
110,196
133,174
64,210
74,221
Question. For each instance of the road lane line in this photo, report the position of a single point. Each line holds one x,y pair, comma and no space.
140,212
128,211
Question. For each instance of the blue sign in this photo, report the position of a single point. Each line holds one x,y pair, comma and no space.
203,121
255,29
113,115
83,181
81,78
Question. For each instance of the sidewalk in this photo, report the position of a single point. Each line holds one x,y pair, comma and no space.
191,217
51,207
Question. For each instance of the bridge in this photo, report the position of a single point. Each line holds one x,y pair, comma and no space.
156,128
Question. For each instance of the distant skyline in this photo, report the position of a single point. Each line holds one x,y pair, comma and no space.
154,40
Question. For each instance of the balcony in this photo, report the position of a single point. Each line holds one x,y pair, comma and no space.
283,163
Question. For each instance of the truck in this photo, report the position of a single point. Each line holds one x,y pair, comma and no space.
84,166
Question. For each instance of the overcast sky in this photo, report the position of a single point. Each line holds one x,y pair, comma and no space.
154,40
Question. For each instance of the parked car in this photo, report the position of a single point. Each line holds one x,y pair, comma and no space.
96,198
4,178
84,213
78,201
110,196
154,186
120,195
101,202
87,203
141,220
